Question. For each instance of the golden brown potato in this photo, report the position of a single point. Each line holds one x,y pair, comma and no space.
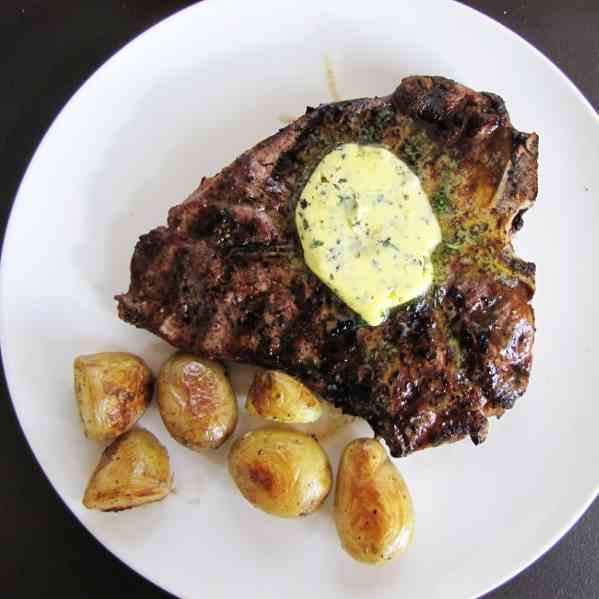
133,470
277,396
196,402
373,507
282,472
113,390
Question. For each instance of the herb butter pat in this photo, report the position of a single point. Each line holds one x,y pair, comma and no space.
367,229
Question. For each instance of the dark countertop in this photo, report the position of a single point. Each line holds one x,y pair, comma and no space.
48,49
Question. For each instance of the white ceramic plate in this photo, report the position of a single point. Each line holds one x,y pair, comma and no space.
182,101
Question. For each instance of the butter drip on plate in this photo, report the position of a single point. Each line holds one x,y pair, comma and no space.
367,229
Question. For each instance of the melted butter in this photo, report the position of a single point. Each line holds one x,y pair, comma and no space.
367,229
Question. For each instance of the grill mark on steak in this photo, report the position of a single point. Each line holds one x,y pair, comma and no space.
226,278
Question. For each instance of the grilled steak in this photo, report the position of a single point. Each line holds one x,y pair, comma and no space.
226,278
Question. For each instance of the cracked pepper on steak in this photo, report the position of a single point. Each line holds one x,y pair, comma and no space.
226,278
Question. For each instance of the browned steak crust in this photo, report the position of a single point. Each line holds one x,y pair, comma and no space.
226,278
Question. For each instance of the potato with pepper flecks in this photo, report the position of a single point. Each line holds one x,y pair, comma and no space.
277,396
282,472
113,390
373,507
133,470
196,402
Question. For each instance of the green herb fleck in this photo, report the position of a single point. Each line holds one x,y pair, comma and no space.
440,201
452,245
387,243
384,118
360,322
369,134
316,243
411,151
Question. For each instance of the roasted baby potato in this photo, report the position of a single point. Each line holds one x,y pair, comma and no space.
275,395
373,507
113,390
196,402
133,470
282,472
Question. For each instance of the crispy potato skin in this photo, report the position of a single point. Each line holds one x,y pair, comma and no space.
373,507
282,472
133,470
277,396
113,390
196,402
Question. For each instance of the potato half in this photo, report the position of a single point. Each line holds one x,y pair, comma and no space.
373,507
196,402
133,470
277,396
282,472
113,390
